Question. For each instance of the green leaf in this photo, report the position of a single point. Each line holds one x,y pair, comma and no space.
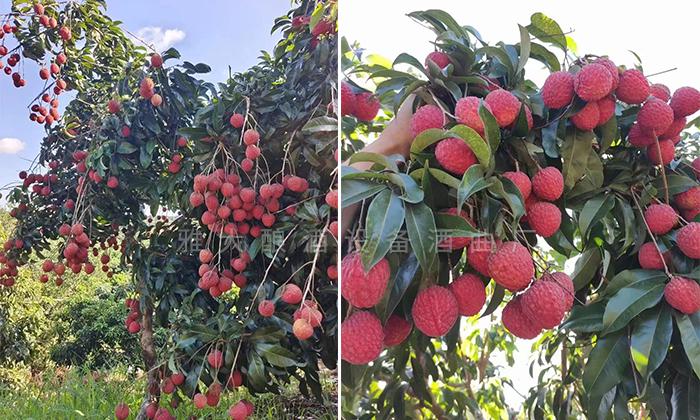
422,232
684,399
126,148
276,355
385,217
377,158
524,48
399,284
575,151
321,125
609,133
442,176
355,191
505,189
411,191
455,226
543,55
586,267
499,293
630,302
604,369
633,277
426,139
595,209
585,319
689,327
492,132
476,143
256,371
472,182
651,336
410,60
547,30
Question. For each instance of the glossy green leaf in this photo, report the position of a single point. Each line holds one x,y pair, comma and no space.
385,217
593,211
472,182
689,327
547,30
629,302
476,143
585,318
422,233
651,336
605,368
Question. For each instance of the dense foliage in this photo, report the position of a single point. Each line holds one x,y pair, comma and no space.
486,139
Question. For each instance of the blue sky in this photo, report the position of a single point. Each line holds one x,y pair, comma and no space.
221,33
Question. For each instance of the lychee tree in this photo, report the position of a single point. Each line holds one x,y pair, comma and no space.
504,183
221,199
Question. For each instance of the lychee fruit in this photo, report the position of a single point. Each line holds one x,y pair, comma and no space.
215,359
685,101
467,113
456,242
236,120
612,69
363,289
199,400
688,240
332,198
655,115
396,330
435,311
156,61
347,99
544,218
470,293
515,321
587,118
522,181
113,106
478,254
593,82
455,155
689,199
362,338
565,283
660,91
302,329
674,130
633,87
266,308
639,138
291,294
426,117
558,90
661,218
548,184
439,58
650,258
668,152
511,266
505,107
238,411
683,294
606,109
121,411
366,106
544,304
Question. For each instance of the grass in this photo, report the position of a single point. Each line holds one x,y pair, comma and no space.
75,394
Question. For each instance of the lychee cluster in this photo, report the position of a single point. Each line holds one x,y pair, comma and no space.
132,318
362,105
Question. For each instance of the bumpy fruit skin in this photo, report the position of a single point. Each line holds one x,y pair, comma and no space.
516,322
266,308
685,101
302,329
505,107
347,99
660,91
683,294
633,87
688,239
522,181
649,257
362,338
655,115
478,254
454,155
427,116
612,69
690,215
689,199
606,109
544,304
121,411
668,151
593,82
291,294
467,113
363,289
435,311
548,184
439,58
566,285
456,242
366,106
587,118
238,411
470,293
661,218
639,138
511,266
558,90
396,330
674,130
544,218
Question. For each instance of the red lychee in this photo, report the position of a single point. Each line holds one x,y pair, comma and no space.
543,303
660,91
236,120
544,218
587,118
668,152
435,311
266,308
478,254
332,198
455,155
548,184
689,199
439,58
633,87
363,289
396,330
558,90
566,284
347,99
467,113
650,258
688,240
470,293
655,115
515,321
683,294
362,338
638,138
302,329
606,109
685,101
215,359
674,130
612,69
425,117
505,107
661,218
593,82
366,106
156,61
121,412
511,266
456,242
522,181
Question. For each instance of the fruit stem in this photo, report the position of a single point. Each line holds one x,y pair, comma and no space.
663,170
662,72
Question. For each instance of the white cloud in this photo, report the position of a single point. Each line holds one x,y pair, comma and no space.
160,39
11,146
